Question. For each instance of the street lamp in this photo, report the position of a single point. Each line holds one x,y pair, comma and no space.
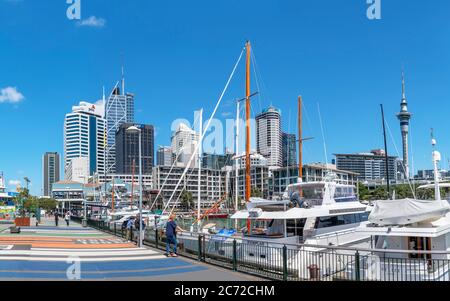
135,130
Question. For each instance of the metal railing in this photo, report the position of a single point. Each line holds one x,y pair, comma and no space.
285,262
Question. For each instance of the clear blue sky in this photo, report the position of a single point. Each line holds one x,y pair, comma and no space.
178,55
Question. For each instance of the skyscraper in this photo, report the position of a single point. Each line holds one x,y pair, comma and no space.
268,136
164,156
404,117
50,171
127,149
119,109
184,142
289,149
84,137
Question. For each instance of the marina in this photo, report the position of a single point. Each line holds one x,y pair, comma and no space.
287,143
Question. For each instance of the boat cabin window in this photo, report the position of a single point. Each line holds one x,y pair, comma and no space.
271,228
339,220
294,227
310,192
419,244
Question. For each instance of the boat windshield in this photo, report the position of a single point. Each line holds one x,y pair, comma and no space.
267,228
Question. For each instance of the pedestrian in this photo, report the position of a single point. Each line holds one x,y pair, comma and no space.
56,219
138,227
171,234
130,225
67,218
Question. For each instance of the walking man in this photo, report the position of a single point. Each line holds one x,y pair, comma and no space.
171,234
56,218
67,218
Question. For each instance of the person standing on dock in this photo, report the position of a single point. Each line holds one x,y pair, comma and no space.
56,218
67,218
130,225
171,234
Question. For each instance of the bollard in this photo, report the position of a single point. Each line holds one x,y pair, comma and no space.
199,248
357,267
234,255
285,267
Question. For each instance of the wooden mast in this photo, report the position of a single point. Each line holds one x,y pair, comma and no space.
247,128
247,124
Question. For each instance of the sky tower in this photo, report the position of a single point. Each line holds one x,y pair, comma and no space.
404,117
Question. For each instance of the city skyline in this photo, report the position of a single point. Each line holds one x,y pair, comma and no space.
309,66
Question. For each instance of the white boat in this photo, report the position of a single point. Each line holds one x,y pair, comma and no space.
410,239
318,219
308,231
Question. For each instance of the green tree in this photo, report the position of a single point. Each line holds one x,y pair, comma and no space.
256,192
187,199
48,204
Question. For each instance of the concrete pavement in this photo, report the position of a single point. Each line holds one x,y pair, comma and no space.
63,253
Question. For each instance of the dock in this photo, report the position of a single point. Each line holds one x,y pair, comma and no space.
65,253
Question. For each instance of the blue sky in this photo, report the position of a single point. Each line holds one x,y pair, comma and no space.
178,55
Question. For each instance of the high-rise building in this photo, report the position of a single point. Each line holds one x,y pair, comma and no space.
50,171
370,167
404,117
289,149
268,136
85,137
119,109
127,149
212,182
78,170
164,156
216,162
184,142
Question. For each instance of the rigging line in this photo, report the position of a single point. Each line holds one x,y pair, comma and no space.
264,86
323,136
179,196
171,168
207,126
398,154
308,120
256,79
412,152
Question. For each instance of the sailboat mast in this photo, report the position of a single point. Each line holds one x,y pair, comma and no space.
132,185
236,192
112,196
199,168
300,141
247,124
386,152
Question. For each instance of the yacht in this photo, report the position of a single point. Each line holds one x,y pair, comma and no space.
410,238
311,218
314,213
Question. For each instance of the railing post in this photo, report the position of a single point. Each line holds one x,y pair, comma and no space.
115,229
199,248
357,267
285,266
234,255
156,238
204,248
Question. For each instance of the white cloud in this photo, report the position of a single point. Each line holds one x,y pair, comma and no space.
10,95
92,21
14,183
